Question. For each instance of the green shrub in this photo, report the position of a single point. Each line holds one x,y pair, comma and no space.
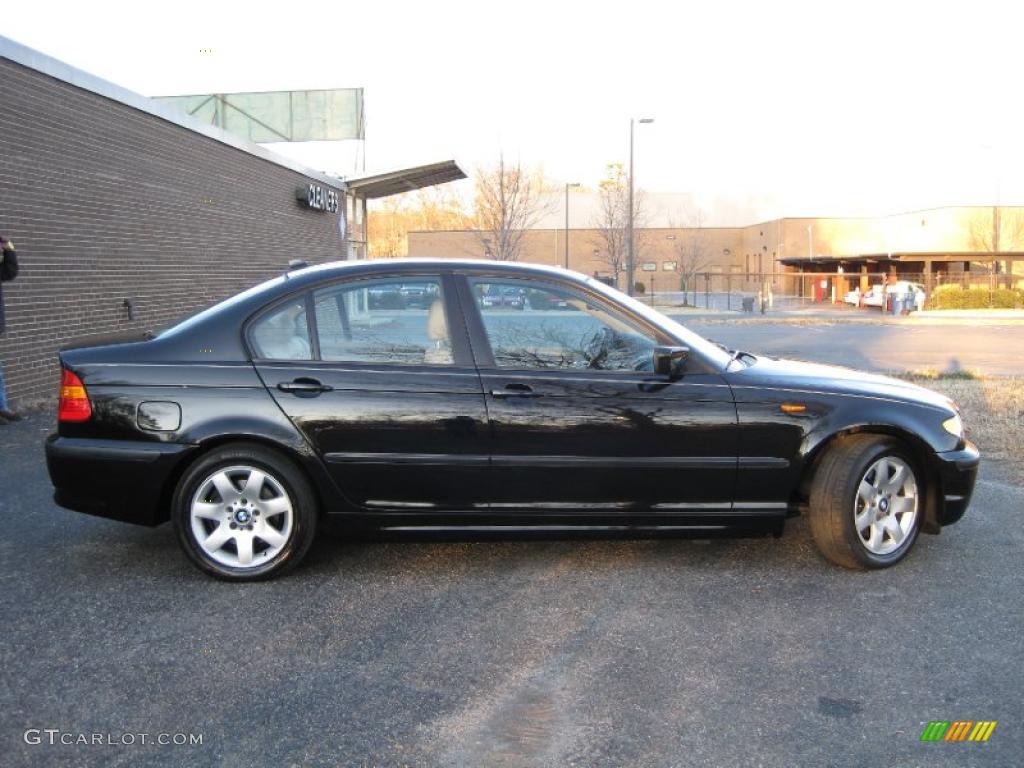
639,287
975,297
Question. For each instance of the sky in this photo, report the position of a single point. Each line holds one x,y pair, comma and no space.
761,109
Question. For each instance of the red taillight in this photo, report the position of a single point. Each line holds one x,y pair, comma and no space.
74,401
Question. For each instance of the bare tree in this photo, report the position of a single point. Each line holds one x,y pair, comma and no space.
693,250
998,229
391,219
509,201
612,222
995,231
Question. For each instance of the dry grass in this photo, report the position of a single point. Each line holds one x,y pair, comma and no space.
993,412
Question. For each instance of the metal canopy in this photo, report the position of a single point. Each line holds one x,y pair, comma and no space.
405,180
868,258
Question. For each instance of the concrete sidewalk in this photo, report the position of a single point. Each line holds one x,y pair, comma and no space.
828,315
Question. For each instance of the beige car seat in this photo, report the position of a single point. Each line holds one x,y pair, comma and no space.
440,350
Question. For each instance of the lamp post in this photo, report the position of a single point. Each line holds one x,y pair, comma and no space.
567,185
629,216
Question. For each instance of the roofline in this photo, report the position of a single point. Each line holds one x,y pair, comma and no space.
413,262
574,229
59,70
765,222
883,215
407,264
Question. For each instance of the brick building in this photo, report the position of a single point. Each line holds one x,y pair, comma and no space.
127,214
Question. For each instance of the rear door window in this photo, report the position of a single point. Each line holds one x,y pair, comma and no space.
384,321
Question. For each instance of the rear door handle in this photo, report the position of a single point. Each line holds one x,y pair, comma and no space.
304,387
515,390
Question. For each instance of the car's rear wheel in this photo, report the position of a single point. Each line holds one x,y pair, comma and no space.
244,513
866,502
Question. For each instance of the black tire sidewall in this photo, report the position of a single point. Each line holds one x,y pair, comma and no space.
877,451
282,470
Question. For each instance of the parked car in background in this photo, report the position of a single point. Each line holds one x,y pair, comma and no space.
417,295
250,423
385,297
545,300
504,296
876,295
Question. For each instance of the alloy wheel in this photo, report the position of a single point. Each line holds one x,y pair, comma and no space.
886,508
241,516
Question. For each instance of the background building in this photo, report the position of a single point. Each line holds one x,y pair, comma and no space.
128,214
966,244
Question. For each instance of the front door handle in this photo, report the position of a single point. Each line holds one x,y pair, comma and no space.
515,390
304,387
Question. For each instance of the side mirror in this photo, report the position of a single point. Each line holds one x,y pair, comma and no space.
670,361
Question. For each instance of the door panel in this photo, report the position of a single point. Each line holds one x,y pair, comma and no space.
577,415
413,439
388,396
621,441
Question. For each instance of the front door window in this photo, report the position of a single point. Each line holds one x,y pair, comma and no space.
551,328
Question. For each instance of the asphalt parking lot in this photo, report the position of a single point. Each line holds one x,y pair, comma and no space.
996,350
505,652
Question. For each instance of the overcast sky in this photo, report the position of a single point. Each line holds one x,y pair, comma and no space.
761,108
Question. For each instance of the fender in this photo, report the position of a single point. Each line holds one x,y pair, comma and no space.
812,417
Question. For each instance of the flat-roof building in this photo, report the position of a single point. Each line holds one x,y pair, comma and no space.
128,213
968,243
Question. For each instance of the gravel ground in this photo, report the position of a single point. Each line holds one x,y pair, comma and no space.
423,651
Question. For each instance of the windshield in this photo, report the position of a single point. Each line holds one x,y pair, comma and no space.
710,351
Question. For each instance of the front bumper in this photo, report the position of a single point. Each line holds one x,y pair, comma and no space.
119,479
957,471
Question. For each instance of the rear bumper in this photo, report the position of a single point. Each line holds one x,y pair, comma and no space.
119,479
957,472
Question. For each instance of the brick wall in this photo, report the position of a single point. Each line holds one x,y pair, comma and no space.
105,202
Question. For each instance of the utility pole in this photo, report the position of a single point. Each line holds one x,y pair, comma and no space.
629,215
567,185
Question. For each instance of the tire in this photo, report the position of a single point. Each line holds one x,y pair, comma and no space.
231,535
866,504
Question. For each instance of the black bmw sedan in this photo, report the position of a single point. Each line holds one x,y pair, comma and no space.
305,398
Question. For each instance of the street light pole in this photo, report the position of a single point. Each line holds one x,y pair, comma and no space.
629,216
567,185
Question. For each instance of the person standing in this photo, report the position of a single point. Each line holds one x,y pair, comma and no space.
8,271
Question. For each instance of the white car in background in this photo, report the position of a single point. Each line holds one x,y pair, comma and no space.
875,295
872,297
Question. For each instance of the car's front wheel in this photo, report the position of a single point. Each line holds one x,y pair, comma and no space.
866,502
244,513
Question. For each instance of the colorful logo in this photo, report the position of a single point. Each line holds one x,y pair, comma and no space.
958,730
